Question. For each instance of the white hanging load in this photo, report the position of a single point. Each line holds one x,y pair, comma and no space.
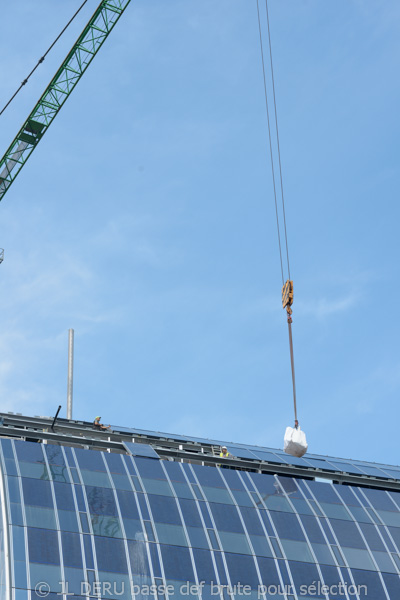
295,442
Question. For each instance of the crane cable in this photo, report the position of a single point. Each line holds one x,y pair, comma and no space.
287,289
25,81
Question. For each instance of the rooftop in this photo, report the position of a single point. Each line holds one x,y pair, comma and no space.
197,450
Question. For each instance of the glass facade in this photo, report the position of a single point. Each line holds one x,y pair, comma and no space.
85,523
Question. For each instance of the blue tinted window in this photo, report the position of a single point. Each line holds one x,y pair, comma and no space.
267,523
149,468
269,574
380,499
332,578
305,574
313,530
79,498
70,457
71,547
155,561
54,454
177,563
347,495
347,534
371,535
392,583
204,565
87,543
29,451
143,506
242,570
174,471
287,526
327,530
164,509
220,568
111,555
64,497
43,546
127,504
233,480
189,472
7,449
290,486
266,484
373,587
37,492
13,489
115,463
129,464
226,518
324,492
101,501
251,520
138,558
190,512
208,476
90,459
206,515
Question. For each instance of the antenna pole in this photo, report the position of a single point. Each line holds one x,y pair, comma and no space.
70,372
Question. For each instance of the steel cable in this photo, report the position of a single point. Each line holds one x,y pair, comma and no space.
25,81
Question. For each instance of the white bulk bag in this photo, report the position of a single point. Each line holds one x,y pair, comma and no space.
295,442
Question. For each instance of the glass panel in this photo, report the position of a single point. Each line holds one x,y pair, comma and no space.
136,483
106,525
338,555
214,494
121,482
68,521
40,517
276,547
101,501
95,478
226,518
323,554
177,563
171,534
347,534
234,542
389,518
197,537
384,562
336,511
111,555
156,486
48,573
149,531
140,450
213,539
260,545
43,546
84,522
295,550
34,470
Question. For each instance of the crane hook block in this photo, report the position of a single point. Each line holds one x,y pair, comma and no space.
287,295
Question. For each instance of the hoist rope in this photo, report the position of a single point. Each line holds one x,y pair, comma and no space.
270,140
25,81
277,137
289,312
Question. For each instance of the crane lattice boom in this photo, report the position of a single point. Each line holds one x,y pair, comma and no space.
70,72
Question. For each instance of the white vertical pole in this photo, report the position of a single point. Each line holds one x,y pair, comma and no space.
70,372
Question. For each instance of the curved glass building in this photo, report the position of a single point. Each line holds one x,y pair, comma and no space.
139,514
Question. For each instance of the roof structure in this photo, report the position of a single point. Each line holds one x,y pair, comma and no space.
199,450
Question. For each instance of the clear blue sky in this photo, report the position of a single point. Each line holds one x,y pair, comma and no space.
145,221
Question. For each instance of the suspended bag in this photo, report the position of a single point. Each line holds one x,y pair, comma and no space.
295,442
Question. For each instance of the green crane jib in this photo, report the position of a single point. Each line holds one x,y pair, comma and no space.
79,58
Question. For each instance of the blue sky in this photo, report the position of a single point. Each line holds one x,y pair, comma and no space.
145,221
